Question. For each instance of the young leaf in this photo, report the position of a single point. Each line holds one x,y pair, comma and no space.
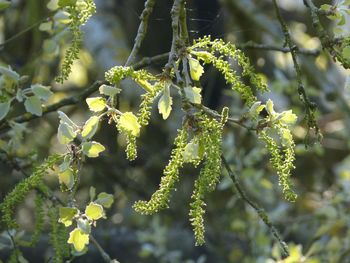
269,108
66,215
109,90
64,3
33,105
65,119
79,239
92,149
65,133
94,211
288,117
165,103
196,69
193,94
65,164
43,92
104,199
66,178
8,72
90,127
4,109
255,109
129,123
96,104
84,225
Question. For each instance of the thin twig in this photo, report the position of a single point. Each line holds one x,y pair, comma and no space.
252,45
262,214
142,30
309,106
103,253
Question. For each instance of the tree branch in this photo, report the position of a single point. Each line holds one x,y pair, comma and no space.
142,30
262,214
309,106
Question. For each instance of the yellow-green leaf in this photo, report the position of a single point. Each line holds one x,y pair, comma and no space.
191,151
66,178
104,199
4,109
42,92
165,103
78,239
94,211
92,149
255,109
288,117
96,104
269,108
109,90
129,123
33,105
65,133
90,127
193,94
196,69
66,215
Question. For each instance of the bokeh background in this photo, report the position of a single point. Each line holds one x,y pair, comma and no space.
316,227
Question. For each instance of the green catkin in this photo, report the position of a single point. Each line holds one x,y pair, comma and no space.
17,195
39,219
282,159
78,16
131,148
160,199
230,51
58,237
211,139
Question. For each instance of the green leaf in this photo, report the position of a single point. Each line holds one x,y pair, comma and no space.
52,5
43,92
104,199
33,105
90,127
8,72
66,215
65,164
66,178
84,225
65,133
129,123
64,3
4,4
326,7
94,211
193,94
346,53
65,119
96,104
288,117
109,90
269,108
255,109
92,149
196,69
79,239
165,103
4,109
46,26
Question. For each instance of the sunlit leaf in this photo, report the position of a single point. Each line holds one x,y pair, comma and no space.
4,109
145,85
288,117
65,164
255,109
165,103
64,3
109,90
96,104
66,178
269,108
66,215
129,122
65,119
78,239
65,133
42,92
94,211
90,127
84,225
46,26
193,94
104,199
33,105
92,149
346,53
191,151
8,72
196,69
